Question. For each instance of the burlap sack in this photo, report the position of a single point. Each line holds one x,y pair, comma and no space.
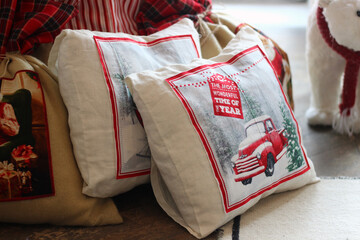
63,203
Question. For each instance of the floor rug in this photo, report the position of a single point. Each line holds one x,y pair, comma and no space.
326,210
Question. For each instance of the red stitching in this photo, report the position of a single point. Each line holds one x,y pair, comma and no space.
232,76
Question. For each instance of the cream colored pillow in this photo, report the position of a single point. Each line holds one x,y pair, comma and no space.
221,134
50,192
109,141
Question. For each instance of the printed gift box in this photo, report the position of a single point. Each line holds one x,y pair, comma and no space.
9,181
24,157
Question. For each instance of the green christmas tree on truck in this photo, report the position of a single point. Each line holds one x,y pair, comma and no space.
294,153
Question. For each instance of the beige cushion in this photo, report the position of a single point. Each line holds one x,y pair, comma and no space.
109,142
64,204
196,117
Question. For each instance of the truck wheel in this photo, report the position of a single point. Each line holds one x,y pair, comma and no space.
269,171
247,181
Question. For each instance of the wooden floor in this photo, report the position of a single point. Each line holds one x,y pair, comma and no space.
332,154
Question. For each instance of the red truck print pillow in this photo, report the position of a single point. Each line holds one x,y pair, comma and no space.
222,136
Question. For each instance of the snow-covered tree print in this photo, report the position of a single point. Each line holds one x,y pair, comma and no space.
294,152
225,149
253,106
127,107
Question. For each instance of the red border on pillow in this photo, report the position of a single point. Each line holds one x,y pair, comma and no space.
230,207
120,174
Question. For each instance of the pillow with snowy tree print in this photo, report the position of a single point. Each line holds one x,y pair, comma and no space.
221,134
109,141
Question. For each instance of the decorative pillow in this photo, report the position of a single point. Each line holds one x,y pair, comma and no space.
109,141
105,15
39,179
221,134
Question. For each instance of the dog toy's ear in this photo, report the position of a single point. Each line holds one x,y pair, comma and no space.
324,3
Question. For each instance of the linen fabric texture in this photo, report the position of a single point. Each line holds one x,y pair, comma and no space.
196,116
109,141
68,206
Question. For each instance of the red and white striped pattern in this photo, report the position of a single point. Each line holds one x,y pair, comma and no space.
105,15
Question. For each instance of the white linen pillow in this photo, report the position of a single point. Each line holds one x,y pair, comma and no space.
211,130
109,142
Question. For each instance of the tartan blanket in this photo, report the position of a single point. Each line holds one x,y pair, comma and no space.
155,15
26,23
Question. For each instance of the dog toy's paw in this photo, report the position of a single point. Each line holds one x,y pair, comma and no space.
318,117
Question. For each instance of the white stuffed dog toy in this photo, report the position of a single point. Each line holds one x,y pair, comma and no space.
333,57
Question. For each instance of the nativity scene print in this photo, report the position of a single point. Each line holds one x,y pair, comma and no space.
246,125
25,162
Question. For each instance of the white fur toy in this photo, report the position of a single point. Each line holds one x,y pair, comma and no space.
333,57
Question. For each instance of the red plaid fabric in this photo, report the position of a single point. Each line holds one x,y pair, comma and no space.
155,15
26,23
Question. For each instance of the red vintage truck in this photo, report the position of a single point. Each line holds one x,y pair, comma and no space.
263,146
